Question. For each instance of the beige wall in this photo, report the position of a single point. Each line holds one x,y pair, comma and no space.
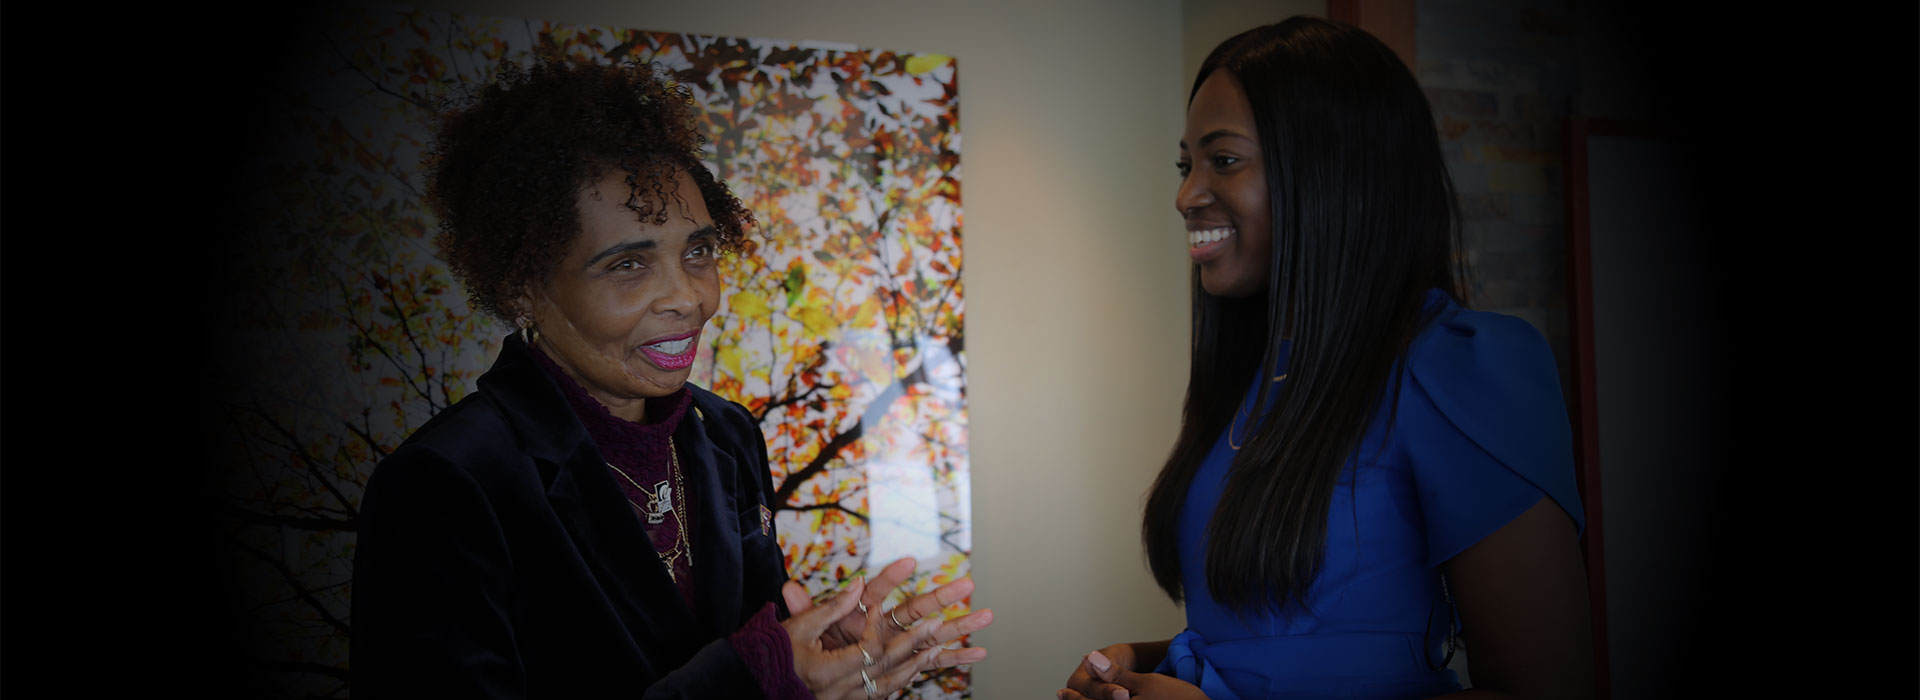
1205,23
1076,288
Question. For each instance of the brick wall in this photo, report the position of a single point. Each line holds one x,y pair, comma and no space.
1499,74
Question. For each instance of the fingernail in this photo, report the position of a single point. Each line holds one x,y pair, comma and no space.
1100,662
1121,694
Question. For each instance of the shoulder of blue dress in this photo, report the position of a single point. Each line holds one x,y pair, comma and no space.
1495,379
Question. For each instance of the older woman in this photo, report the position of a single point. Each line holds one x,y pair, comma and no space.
587,523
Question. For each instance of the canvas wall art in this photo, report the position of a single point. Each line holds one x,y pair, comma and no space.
842,331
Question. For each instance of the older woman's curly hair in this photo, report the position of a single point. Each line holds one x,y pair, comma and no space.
505,168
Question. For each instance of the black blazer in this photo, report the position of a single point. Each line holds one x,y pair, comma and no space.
497,557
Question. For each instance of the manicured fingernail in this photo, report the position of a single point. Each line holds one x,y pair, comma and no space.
1099,661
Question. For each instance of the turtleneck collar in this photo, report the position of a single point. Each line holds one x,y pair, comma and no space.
623,442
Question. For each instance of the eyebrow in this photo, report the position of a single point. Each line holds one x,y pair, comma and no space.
704,232
1215,135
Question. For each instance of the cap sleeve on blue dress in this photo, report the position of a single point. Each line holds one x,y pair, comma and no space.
1487,427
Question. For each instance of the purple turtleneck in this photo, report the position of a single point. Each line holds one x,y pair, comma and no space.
642,453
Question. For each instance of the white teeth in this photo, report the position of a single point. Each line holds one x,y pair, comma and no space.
673,347
1196,239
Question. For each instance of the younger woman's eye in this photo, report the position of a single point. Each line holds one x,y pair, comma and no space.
1224,161
1184,167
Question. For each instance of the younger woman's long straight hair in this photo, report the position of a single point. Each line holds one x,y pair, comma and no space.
1364,223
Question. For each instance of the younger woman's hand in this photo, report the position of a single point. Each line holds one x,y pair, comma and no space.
1127,683
1095,678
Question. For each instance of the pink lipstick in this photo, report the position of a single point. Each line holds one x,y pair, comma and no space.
673,352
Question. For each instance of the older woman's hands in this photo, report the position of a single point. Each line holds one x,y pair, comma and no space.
909,612
876,663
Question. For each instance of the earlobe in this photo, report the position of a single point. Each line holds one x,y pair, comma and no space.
523,318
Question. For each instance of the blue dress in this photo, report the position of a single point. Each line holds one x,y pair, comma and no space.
1479,435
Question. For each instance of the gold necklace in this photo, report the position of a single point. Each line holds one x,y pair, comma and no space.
676,504
1234,427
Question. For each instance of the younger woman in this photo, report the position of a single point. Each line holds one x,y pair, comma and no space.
1362,459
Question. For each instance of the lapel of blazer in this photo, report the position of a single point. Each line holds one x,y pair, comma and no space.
711,475
604,529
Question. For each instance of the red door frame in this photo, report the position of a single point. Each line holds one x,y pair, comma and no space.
1583,404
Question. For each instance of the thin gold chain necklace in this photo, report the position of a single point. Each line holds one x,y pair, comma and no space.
676,503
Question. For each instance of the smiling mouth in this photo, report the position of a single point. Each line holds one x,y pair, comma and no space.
672,347
1202,237
672,354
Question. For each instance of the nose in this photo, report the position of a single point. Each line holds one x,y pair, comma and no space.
1194,193
677,294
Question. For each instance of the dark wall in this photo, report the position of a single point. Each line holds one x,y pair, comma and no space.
1787,519
1760,435
126,129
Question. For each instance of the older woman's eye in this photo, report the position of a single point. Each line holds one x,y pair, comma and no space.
627,265
701,251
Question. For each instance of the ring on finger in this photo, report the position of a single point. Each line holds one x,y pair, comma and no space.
867,684
895,620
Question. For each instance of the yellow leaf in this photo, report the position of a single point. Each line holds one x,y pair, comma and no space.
864,316
749,304
924,63
729,359
818,323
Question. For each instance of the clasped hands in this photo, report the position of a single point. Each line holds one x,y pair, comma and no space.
1113,673
847,647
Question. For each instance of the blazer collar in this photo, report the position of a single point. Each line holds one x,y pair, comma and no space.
533,404
712,476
